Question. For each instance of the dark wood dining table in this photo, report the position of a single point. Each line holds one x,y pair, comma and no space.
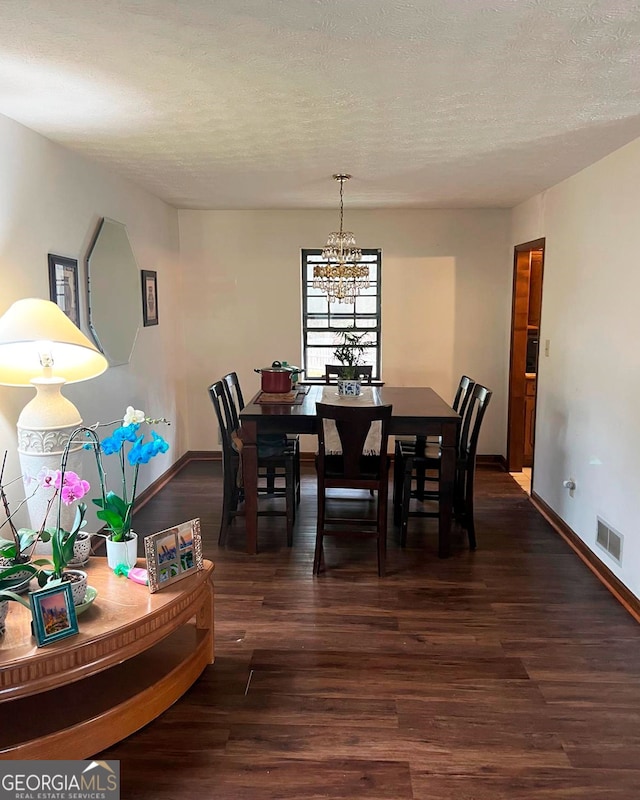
416,410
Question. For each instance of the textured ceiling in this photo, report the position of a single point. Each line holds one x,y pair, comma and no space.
255,103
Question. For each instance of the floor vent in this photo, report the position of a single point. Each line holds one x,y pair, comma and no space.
609,540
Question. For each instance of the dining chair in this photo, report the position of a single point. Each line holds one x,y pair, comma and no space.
266,443
364,372
411,468
419,443
272,467
361,462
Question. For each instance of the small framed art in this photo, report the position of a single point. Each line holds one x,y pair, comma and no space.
173,554
63,285
54,615
149,297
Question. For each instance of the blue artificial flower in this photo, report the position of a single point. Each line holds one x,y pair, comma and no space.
125,433
111,445
142,453
135,454
160,445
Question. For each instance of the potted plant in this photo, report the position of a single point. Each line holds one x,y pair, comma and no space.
349,353
17,566
116,511
68,487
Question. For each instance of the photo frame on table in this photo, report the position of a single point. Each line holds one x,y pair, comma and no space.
173,554
63,285
54,614
149,297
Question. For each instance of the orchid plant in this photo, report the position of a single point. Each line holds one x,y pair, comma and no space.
116,510
68,487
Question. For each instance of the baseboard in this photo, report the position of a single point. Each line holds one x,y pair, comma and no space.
201,455
489,460
623,595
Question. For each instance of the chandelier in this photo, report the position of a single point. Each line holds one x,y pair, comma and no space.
341,277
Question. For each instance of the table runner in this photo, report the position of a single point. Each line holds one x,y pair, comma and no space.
368,397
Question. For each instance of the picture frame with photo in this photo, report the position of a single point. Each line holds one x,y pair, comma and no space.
173,554
53,612
63,285
149,297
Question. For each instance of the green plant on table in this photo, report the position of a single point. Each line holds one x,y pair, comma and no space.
349,352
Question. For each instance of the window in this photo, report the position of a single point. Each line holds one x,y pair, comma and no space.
321,319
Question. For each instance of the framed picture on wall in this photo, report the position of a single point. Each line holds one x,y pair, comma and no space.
149,297
173,554
63,285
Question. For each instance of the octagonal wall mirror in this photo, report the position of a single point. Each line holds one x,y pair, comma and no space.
114,292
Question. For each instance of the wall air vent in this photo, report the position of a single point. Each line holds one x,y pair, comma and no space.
609,540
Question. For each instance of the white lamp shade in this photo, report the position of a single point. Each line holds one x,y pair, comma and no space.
30,322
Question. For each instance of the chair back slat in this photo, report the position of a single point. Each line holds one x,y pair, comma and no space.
234,397
463,394
364,372
218,395
472,420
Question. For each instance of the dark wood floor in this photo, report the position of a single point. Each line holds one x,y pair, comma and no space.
505,673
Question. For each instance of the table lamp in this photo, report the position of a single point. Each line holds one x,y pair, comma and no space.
41,347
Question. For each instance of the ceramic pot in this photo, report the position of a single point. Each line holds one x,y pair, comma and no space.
4,608
18,581
348,388
81,550
78,585
122,552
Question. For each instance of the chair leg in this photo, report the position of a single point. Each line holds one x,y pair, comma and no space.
271,480
382,531
228,494
421,443
398,478
290,498
420,481
468,508
318,557
406,499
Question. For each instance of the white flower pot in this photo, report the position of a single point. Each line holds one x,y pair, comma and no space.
19,581
78,586
4,608
122,552
349,388
81,550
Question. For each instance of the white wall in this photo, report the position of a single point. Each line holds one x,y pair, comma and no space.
589,387
50,202
446,289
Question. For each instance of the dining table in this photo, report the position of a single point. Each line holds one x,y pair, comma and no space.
416,411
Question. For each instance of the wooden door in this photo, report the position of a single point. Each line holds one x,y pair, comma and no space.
525,320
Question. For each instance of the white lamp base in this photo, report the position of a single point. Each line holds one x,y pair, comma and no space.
44,427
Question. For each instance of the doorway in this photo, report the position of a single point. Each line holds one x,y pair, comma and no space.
528,267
